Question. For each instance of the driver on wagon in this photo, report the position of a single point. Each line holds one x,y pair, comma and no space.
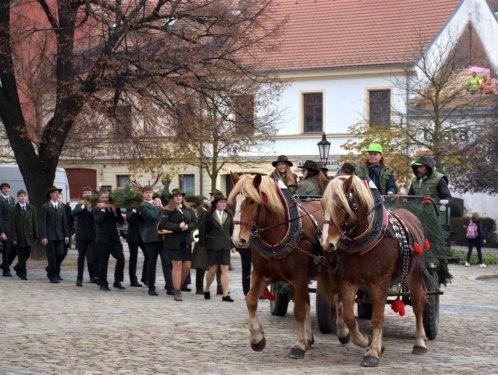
428,182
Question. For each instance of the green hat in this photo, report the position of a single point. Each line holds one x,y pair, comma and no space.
417,163
320,166
375,147
348,168
219,197
51,190
283,159
310,164
214,192
176,192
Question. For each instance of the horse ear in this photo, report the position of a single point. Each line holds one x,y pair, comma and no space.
323,179
257,181
235,178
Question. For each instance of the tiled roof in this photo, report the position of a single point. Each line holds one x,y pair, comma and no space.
342,33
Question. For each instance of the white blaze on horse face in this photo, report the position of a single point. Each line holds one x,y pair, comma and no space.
329,242
236,217
325,231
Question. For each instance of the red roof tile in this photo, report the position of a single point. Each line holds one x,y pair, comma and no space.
342,33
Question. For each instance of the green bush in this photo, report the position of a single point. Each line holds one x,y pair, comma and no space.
474,259
488,225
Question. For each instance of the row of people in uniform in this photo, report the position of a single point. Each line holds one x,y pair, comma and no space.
97,231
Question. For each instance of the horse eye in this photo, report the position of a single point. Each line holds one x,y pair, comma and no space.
251,201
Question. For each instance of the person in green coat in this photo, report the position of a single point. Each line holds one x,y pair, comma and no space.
23,231
215,234
311,184
376,168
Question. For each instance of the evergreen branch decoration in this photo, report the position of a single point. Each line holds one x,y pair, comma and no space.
126,197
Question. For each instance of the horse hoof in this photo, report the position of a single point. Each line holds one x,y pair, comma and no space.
370,362
259,346
345,340
419,350
296,354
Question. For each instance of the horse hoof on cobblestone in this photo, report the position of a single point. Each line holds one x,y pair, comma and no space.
419,350
370,362
345,340
259,346
296,354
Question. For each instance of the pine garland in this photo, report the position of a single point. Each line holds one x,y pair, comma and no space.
126,197
91,200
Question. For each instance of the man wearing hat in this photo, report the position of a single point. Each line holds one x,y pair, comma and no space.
311,184
428,182
347,169
323,169
375,166
54,233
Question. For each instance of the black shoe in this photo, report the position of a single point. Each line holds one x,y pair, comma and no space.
54,281
24,278
227,299
79,283
93,280
207,295
219,291
7,274
170,292
118,285
144,281
59,278
16,268
185,288
152,292
105,288
136,283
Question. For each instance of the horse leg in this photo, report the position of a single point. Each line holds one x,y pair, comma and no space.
341,328
378,298
347,296
258,341
301,296
418,301
309,324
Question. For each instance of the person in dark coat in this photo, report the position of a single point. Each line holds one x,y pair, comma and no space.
23,231
180,219
284,173
150,215
477,242
8,252
54,233
375,167
85,237
134,242
107,241
215,234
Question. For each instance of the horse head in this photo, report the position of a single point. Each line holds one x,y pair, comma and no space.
345,203
253,198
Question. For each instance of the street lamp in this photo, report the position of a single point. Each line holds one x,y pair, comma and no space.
324,148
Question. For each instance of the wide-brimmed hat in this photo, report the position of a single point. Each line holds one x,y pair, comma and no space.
176,192
310,164
320,166
348,168
219,197
214,192
283,159
51,190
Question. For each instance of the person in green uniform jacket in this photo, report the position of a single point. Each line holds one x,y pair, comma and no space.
311,184
375,166
428,182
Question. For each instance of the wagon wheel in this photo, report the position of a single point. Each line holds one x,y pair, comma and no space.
364,308
279,306
431,308
325,315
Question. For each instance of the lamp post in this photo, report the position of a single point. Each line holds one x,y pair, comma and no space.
324,149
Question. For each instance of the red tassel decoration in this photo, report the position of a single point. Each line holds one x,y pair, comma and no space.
268,295
398,307
417,249
427,245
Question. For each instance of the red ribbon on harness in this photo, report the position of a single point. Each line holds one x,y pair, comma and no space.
268,295
398,307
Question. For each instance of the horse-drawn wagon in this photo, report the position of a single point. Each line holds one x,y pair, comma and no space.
436,265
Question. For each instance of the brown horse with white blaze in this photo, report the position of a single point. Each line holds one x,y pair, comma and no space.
351,214
279,252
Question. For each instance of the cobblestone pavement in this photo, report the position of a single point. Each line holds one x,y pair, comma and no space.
62,329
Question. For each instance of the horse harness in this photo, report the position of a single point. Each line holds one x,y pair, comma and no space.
294,233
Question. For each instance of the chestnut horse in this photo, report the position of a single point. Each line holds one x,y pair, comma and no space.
350,216
262,222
